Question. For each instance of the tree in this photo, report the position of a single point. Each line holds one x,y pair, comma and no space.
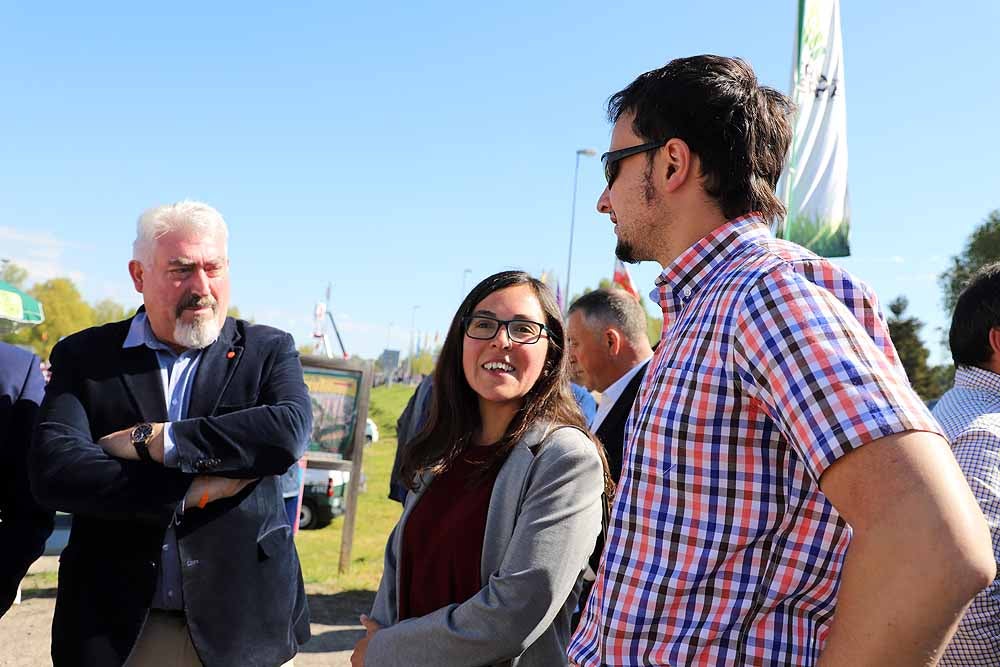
654,328
929,382
107,310
12,274
65,313
654,325
423,364
982,248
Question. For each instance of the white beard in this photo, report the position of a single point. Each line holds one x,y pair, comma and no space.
199,334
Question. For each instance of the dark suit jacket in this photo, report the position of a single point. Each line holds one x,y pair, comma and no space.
249,416
25,524
611,432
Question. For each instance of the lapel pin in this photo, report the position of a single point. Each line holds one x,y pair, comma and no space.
230,354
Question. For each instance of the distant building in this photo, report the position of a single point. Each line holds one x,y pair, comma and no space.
389,360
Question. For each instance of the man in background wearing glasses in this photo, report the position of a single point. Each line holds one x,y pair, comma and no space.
785,494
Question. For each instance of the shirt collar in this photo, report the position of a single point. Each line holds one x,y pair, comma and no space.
611,395
970,377
680,280
615,390
141,333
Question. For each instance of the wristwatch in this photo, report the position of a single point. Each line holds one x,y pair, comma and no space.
141,435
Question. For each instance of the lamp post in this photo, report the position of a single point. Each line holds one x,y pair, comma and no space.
409,358
465,274
589,152
388,344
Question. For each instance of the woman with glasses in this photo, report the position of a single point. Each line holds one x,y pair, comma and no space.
485,564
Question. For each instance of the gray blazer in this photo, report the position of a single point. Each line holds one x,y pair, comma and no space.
542,523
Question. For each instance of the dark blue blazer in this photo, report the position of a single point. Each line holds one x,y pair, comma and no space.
24,524
249,416
611,432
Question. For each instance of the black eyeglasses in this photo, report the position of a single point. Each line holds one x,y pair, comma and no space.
483,327
611,159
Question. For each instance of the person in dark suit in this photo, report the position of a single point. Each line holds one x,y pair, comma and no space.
608,353
164,435
24,525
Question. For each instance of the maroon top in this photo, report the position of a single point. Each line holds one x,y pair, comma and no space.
443,538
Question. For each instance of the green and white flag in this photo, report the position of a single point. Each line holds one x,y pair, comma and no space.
814,183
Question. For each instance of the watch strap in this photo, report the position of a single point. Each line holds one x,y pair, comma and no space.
142,449
140,437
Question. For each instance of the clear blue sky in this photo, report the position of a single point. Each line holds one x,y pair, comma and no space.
387,147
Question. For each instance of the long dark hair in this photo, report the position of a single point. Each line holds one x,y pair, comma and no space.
454,413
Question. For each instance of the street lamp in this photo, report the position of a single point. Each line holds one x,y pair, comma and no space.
465,274
589,152
409,359
385,355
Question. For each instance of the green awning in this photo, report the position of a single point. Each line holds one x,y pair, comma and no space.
17,308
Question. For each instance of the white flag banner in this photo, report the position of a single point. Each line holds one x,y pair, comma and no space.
814,183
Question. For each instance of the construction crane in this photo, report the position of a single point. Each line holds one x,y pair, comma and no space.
321,345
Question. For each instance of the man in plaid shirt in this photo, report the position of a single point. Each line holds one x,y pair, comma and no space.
969,412
786,497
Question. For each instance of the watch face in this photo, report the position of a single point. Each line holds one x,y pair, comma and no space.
142,432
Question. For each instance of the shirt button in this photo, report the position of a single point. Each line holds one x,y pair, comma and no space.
166,547
170,594
686,292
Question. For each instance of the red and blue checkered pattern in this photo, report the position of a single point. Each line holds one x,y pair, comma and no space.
722,549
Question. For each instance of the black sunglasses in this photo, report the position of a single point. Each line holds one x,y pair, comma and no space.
611,159
483,327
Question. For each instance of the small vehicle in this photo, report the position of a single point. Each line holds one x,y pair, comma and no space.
323,497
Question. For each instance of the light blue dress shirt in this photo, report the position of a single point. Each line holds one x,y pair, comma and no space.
177,372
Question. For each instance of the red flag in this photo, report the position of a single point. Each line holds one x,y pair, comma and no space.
623,279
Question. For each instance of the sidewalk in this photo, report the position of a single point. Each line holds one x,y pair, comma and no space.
25,630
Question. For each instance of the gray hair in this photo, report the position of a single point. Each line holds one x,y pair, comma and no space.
191,216
613,308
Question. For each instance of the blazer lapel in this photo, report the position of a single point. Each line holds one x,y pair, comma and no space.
216,368
619,412
140,374
505,501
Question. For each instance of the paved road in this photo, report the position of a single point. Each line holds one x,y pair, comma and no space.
25,629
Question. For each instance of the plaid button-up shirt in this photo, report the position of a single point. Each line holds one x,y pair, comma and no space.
970,415
722,549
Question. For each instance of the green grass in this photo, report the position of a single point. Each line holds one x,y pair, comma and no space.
319,550
33,584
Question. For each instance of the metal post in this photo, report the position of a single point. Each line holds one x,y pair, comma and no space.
572,221
409,358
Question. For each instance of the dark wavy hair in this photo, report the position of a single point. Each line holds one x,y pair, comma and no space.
740,129
454,416
977,312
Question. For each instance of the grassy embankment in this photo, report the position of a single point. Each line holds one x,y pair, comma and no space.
319,550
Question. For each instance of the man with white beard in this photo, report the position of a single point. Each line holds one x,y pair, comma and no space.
163,435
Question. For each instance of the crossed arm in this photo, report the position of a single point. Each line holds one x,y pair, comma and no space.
204,489
71,472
